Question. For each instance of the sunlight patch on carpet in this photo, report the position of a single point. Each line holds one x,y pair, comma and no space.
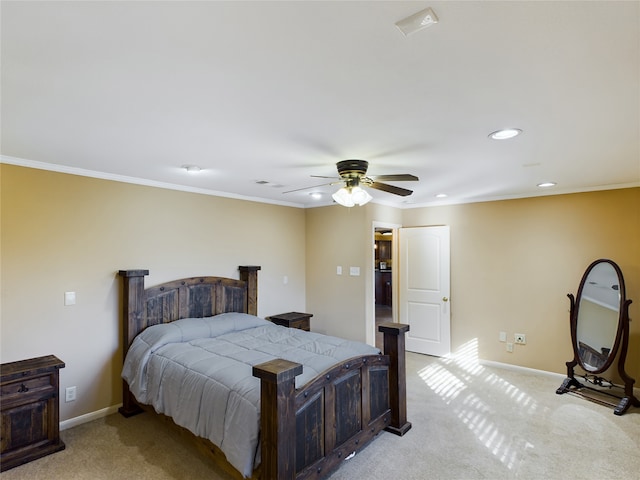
462,383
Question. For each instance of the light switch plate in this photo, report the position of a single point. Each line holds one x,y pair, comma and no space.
69,298
354,271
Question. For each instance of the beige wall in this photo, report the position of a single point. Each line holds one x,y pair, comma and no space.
70,233
512,264
343,305
336,236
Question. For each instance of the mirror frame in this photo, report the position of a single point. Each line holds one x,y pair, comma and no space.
619,349
576,310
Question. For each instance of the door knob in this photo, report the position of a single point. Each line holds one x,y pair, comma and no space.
445,299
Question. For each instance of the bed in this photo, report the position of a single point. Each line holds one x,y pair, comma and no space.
309,418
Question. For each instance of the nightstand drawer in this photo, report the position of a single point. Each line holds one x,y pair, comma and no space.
26,386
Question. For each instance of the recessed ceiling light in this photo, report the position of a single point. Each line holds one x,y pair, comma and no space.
192,169
441,195
316,195
546,184
505,133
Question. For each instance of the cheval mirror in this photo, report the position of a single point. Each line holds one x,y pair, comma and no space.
599,318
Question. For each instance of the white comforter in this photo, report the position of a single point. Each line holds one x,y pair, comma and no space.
199,372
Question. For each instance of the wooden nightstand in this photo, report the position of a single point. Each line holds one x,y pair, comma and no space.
293,320
29,392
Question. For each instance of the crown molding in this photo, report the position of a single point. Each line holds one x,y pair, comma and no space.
21,162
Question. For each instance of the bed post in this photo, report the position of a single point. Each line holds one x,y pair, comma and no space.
278,418
249,274
394,334
133,315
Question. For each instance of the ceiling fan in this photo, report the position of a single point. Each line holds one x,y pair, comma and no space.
354,175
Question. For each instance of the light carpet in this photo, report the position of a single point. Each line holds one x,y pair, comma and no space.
469,422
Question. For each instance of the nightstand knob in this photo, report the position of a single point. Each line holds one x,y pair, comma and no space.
23,388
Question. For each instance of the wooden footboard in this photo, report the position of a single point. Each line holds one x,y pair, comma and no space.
306,433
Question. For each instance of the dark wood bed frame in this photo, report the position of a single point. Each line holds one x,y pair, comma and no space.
304,433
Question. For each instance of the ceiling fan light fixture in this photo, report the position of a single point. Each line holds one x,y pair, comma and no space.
351,196
343,197
360,196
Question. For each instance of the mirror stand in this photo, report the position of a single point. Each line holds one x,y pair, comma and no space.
602,390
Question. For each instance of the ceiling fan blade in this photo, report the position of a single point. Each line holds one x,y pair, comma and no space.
385,187
307,188
322,176
401,177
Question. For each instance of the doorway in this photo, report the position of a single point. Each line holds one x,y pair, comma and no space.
384,257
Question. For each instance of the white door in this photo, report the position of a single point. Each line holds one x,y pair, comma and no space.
424,289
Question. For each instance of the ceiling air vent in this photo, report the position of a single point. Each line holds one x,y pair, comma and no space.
423,19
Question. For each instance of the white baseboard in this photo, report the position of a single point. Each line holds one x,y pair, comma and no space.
518,368
88,417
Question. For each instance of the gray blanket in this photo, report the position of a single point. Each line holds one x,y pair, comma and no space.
199,372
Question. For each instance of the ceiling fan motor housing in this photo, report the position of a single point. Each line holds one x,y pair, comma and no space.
352,168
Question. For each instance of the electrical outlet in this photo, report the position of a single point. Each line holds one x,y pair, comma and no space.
520,338
70,394
510,347
503,336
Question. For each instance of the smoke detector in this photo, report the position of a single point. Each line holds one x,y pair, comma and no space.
418,21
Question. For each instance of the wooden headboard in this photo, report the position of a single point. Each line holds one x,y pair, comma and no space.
185,298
